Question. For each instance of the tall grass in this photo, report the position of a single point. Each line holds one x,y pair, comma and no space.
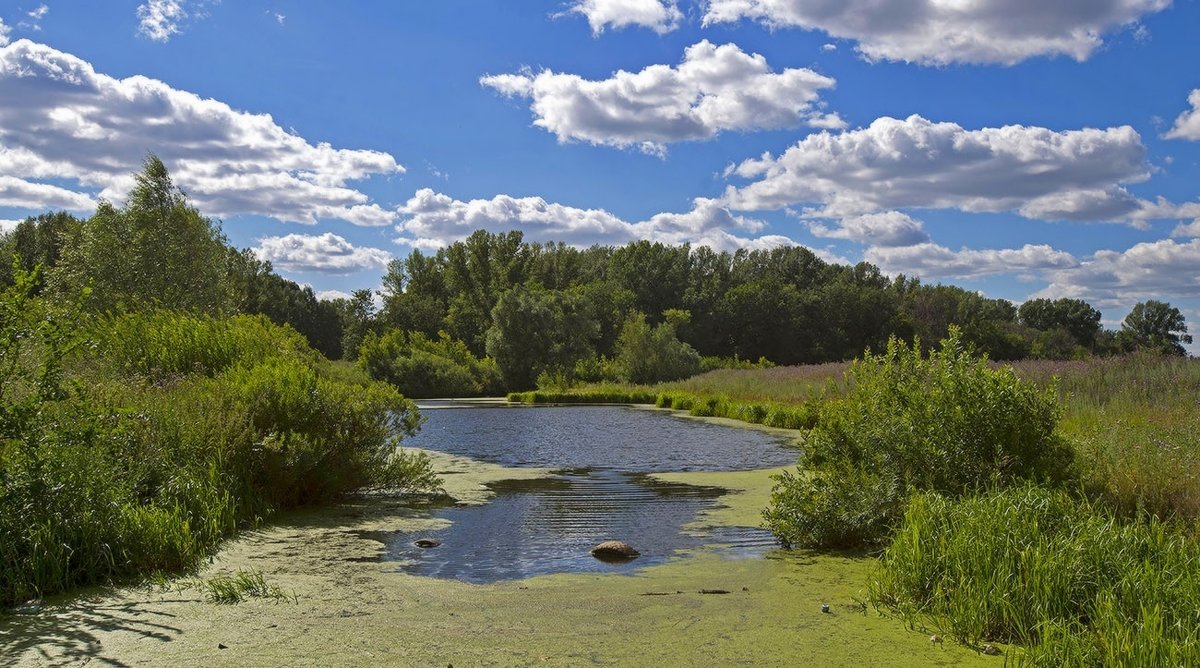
771,414
1068,580
141,458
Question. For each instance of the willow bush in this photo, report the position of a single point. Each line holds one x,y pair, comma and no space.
945,422
139,449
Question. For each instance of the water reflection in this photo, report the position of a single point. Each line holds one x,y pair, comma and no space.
534,527
601,490
613,437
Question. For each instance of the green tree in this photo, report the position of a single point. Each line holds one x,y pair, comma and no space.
1156,325
655,354
258,289
1075,316
357,315
537,331
478,271
37,242
156,251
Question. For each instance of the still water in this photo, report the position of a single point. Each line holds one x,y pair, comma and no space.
600,490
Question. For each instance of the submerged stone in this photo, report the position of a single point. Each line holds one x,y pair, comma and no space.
427,542
614,550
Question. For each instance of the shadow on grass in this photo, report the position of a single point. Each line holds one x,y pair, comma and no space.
69,631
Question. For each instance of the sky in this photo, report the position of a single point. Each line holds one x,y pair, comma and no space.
1020,148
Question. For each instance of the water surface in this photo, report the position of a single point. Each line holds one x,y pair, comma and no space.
599,491
612,437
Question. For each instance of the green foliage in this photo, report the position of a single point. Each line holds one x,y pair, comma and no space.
1074,316
771,414
947,422
646,354
173,431
160,344
231,589
258,289
712,363
536,331
158,250
1157,326
37,241
421,367
1034,566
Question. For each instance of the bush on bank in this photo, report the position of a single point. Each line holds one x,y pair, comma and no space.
138,448
944,422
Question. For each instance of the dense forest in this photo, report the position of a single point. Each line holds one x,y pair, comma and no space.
494,313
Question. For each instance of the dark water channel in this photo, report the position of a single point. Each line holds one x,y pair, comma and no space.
600,490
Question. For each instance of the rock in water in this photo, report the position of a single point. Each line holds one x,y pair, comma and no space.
427,542
614,550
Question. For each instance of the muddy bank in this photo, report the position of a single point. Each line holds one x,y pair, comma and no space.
350,610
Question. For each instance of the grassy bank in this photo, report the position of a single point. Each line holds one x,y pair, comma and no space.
1091,565
134,444
767,413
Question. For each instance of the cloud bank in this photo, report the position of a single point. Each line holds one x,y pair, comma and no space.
940,32
326,253
69,134
714,89
435,220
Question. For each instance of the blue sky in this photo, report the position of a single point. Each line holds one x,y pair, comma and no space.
1017,147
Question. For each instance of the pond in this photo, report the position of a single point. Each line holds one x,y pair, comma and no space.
600,489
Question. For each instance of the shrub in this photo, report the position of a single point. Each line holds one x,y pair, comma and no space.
1034,566
420,367
947,422
101,477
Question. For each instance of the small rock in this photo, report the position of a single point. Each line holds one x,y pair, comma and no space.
614,550
990,650
935,638
221,646
745,589
29,608
825,608
427,542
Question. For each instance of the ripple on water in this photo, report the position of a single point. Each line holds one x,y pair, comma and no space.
549,525
601,491
614,437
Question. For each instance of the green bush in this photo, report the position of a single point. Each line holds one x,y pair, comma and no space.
101,477
947,422
421,367
157,344
1034,566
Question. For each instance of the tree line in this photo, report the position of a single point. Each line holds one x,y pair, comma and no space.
495,312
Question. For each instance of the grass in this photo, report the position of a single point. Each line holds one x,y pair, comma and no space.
1065,578
233,589
166,433
1102,569
768,413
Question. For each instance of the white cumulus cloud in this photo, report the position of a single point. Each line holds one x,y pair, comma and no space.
86,132
938,32
916,163
929,260
714,89
435,220
661,16
1163,269
159,19
5,29
1187,126
887,228
326,253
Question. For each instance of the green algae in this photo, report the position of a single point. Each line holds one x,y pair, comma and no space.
351,610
